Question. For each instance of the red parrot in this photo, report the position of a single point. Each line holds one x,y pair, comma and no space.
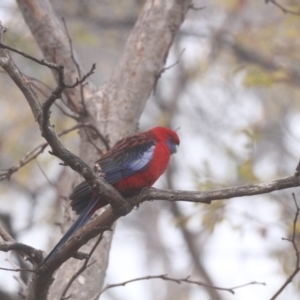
132,164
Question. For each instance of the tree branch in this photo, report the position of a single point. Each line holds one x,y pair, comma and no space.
84,266
42,115
226,193
282,8
107,218
178,281
32,253
293,241
6,236
27,252
36,151
54,44
126,92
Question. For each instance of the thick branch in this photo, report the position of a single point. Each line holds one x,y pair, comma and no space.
107,218
227,193
144,56
27,252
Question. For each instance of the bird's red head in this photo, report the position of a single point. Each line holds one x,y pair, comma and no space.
167,135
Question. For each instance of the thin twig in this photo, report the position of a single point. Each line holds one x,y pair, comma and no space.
6,236
33,80
176,62
282,8
44,173
84,266
103,139
23,286
66,113
17,270
166,68
293,241
297,172
77,67
57,93
42,62
35,152
91,141
178,281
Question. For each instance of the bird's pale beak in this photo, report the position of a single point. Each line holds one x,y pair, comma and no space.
176,149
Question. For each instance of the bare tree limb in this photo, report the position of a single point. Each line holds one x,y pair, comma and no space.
27,252
36,151
42,115
31,252
96,226
42,62
107,218
226,193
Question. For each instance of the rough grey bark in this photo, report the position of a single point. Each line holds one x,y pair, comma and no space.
114,108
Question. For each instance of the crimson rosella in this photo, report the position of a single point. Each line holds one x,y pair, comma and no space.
134,163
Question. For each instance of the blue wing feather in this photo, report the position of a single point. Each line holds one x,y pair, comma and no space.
126,160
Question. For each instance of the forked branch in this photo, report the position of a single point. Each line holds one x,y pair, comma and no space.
42,116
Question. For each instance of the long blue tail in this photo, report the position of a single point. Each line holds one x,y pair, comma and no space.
80,222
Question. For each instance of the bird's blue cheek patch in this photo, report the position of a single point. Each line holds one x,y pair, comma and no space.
172,147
